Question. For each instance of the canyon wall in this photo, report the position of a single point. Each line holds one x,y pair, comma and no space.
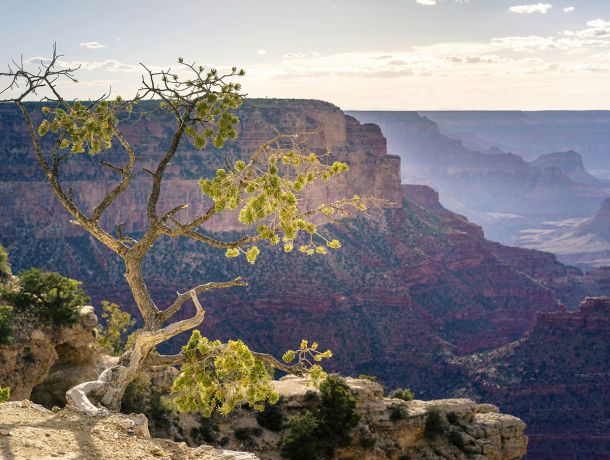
413,288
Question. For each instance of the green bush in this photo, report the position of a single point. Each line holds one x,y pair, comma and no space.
112,337
317,434
7,321
404,394
205,433
372,378
398,413
5,394
337,411
435,422
49,295
5,268
271,417
301,442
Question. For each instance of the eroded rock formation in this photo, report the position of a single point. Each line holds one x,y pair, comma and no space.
45,360
389,428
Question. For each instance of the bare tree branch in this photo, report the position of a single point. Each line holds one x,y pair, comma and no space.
126,171
182,298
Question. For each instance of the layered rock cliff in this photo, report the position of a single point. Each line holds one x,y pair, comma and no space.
557,378
494,187
413,286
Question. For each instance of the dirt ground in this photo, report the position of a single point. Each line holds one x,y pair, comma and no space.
31,432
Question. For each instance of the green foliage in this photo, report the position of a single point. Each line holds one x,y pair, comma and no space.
113,337
317,434
83,128
302,442
7,322
267,191
372,378
219,376
5,394
398,413
337,411
271,417
405,394
435,422
5,267
244,433
50,296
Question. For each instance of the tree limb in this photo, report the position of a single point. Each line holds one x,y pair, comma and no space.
182,298
126,171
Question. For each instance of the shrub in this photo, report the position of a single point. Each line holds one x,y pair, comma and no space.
301,442
404,394
372,378
113,337
435,422
319,433
398,413
49,295
5,394
337,411
271,417
7,321
456,439
5,268
243,433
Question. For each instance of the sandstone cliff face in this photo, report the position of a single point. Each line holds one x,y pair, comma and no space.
412,285
373,172
556,378
388,429
47,361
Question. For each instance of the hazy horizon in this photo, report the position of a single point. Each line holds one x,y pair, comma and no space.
359,55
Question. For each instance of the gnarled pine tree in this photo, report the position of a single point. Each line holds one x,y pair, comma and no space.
266,191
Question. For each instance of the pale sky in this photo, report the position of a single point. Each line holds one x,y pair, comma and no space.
357,54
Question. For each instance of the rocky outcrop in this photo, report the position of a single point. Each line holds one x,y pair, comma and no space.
29,431
569,163
45,361
389,428
556,378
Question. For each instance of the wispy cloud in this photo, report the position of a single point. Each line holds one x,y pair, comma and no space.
92,45
426,2
569,9
261,52
541,8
